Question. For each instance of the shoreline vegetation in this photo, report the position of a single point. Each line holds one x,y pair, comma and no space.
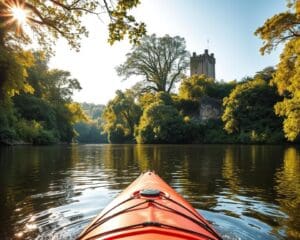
36,105
176,118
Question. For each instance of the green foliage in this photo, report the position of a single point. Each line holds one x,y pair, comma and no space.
46,116
249,111
7,135
51,105
287,80
50,20
45,137
13,65
284,28
33,108
280,28
58,119
194,87
289,109
7,121
194,131
33,132
89,132
214,133
220,89
160,123
187,107
120,116
117,134
94,111
64,124
148,98
122,23
28,130
161,62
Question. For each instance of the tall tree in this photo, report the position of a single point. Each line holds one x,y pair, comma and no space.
53,85
285,28
249,109
160,61
25,21
50,106
120,116
13,72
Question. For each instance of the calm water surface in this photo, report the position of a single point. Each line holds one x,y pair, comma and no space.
246,192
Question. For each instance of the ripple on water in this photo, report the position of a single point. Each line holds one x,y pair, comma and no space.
72,192
69,219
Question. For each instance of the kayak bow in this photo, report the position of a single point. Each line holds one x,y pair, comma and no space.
149,209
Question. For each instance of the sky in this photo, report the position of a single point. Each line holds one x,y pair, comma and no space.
225,27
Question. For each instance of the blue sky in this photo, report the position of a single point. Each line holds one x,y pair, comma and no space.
229,25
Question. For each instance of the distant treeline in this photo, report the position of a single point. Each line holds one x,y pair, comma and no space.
91,131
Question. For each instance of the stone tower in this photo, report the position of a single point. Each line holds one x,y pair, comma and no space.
203,64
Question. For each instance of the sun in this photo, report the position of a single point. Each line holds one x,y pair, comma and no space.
19,14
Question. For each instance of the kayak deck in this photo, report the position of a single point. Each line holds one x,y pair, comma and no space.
149,209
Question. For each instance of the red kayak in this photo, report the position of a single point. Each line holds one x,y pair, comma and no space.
149,209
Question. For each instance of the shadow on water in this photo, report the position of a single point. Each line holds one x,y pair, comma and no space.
247,192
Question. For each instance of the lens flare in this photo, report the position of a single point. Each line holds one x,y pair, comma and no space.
19,14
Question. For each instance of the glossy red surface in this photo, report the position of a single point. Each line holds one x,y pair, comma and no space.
149,209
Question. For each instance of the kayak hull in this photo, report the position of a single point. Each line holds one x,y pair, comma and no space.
149,209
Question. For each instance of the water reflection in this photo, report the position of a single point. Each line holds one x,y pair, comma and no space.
247,192
288,191
230,171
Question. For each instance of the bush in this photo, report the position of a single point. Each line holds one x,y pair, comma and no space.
33,132
45,137
27,130
194,131
7,121
187,107
160,123
214,133
117,134
7,136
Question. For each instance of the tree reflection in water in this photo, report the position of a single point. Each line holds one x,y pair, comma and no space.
248,192
288,191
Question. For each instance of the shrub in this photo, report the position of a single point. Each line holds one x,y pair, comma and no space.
160,123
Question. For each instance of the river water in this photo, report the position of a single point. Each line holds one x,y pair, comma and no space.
246,192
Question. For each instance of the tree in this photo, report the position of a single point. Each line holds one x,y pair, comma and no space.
91,131
47,115
46,21
285,28
50,20
121,115
94,111
196,86
13,72
148,98
53,85
249,110
160,123
160,61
